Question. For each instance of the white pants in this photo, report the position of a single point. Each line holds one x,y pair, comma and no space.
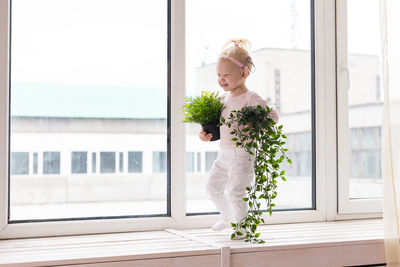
232,172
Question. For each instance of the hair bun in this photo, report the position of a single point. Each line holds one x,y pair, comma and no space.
242,43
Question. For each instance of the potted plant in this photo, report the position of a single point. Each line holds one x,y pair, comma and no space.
260,136
205,110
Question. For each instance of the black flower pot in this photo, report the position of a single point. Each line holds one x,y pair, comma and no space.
213,129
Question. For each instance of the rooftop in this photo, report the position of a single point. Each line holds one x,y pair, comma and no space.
62,100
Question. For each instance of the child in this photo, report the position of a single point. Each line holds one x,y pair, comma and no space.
233,168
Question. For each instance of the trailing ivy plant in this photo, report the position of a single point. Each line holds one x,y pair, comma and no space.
203,109
260,136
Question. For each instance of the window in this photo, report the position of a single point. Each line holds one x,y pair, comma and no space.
189,161
80,97
78,162
107,162
51,162
365,161
359,107
94,97
35,163
159,161
135,161
211,156
121,162
299,145
94,162
19,163
199,168
283,57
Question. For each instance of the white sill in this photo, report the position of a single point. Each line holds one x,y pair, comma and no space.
339,243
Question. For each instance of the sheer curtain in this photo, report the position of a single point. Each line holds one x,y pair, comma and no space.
390,19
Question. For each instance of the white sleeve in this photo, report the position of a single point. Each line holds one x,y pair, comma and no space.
255,100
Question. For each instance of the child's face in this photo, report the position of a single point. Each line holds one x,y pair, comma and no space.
229,75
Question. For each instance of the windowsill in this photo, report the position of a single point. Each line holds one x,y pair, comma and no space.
338,243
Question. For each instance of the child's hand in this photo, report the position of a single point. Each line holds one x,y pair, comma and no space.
204,136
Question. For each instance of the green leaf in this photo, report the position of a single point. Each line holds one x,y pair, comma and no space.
239,233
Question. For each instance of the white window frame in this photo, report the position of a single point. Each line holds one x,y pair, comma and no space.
326,147
372,207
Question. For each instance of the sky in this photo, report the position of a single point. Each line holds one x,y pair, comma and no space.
123,42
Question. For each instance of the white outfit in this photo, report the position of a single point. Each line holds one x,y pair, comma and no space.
233,169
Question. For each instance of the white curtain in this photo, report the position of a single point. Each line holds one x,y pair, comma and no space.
390,40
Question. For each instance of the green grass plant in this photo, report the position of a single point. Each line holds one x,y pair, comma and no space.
203,109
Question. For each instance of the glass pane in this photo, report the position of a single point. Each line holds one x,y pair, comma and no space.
199,167
189,161
88,82
365,98
51,162
35,163
94,162
211,156
19,163
280,35
121,161
79,162
159,161
135,161
107,162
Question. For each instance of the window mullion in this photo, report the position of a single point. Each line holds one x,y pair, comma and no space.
342,103
178,181
4,65
325,108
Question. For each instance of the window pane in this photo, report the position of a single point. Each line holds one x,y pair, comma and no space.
88,81
365,99
135,161
79,162
35,163
19,163
210,158
94,162
199,162
121,162
189,161
159,161
107,162
281,52
51,162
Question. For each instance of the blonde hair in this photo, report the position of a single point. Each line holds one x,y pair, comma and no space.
239,51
